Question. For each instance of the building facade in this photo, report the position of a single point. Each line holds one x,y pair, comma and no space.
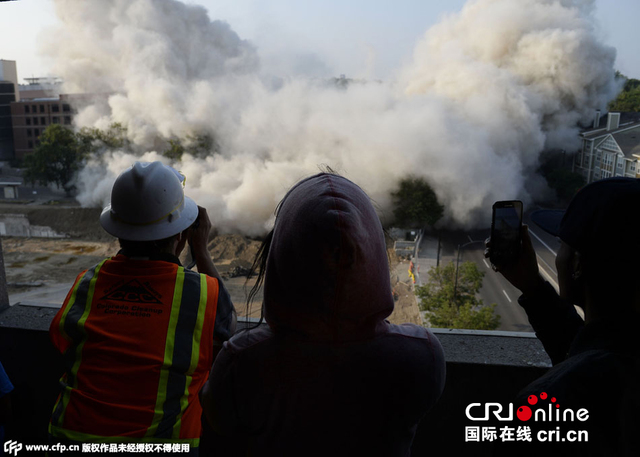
609,150
47,87
8,94
31,117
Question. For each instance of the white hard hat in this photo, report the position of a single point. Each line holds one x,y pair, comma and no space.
148,203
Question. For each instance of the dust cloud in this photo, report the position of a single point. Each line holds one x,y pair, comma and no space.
487,90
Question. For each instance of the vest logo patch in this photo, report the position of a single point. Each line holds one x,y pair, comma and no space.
133,292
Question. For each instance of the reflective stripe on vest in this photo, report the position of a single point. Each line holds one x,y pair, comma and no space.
181,352
72,324
181,357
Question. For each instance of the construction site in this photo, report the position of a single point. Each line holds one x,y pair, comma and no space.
45,246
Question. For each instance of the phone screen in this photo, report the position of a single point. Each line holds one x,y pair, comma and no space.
505,231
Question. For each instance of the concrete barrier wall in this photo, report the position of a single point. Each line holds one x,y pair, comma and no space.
481,367
19,225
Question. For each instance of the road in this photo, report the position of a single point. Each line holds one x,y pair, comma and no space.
496,289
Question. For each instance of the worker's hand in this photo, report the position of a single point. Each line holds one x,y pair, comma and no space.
198,240
199,233
523,272
181,243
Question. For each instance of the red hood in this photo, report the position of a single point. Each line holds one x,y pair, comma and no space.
327,275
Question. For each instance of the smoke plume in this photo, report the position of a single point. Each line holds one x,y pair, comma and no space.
488,89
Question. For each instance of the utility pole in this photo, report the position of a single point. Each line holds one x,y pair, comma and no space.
460,247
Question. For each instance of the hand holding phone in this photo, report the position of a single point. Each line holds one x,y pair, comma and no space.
512,254
506,228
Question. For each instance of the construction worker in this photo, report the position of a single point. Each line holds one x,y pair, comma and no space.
138,332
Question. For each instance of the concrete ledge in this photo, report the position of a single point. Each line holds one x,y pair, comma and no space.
460,346
521,349
481,367
486,347
27,317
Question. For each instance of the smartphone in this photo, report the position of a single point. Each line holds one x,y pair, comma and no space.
506,225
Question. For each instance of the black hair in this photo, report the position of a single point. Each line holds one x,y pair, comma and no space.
146,248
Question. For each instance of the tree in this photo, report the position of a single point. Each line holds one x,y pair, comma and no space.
629,99
199,146
175,151
415,204
555,167
451,305
565,183
55,160
92,140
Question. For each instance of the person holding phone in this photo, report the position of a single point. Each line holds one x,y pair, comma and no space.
596,361
139,332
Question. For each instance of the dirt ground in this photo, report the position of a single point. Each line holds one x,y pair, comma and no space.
32,261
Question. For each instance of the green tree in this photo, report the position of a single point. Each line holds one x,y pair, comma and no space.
629,99
92,140
175,151
199,146
451,305
415,204
565,183
55,160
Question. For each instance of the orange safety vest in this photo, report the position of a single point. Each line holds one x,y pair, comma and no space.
137,341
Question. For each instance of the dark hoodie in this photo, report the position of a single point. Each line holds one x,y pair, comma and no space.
329,376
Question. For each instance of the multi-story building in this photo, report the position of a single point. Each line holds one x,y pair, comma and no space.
8,94
31,116
610,148
42,87
9,72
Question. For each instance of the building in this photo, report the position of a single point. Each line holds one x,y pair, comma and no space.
8,94
10,187
9,72
31,116
46,87
610,148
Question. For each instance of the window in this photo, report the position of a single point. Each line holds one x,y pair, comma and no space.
42,108
43,121
35,121
619,165
36,132
55,108
67,120
30,144
633,166
66,108
29,132
34,109
55,119
26,109
28,121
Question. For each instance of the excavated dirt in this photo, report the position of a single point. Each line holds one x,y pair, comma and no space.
47,261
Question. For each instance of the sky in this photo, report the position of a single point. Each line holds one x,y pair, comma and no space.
359,38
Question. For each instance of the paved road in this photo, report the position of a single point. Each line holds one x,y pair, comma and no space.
496,289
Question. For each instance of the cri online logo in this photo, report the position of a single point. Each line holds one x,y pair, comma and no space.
524,412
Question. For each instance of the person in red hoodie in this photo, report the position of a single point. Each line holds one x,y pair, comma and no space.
328,376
